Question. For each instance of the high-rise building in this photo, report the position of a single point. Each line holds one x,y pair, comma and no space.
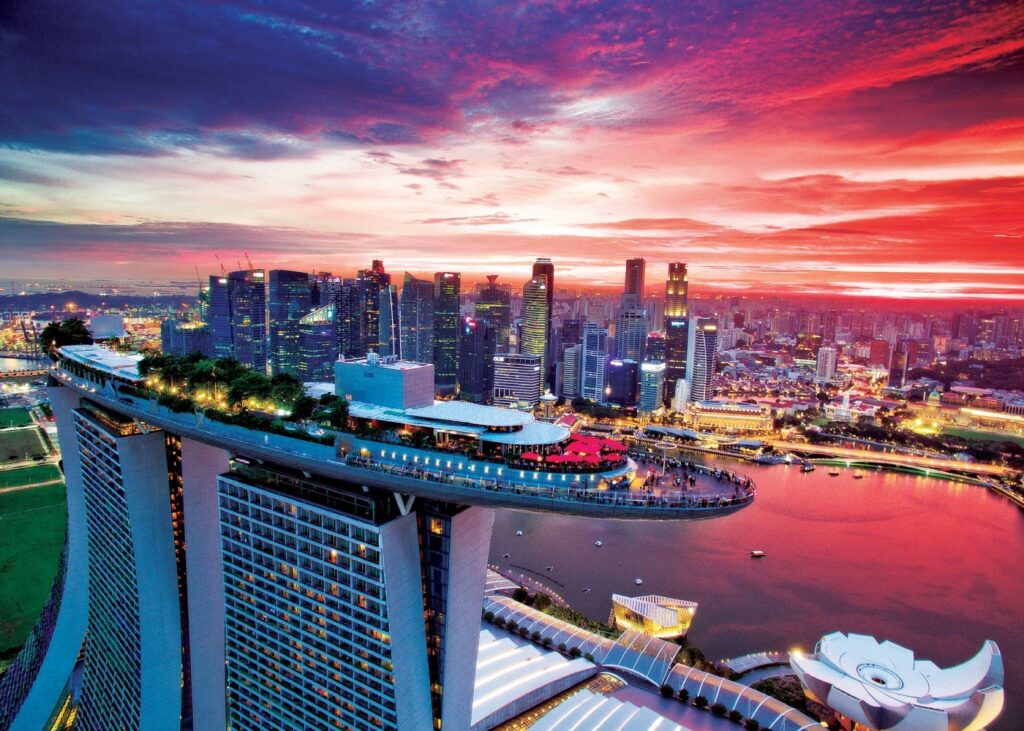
132,660
898,365
477,342
544,266
879,354
517,380
536,322
184,338
318,344
322,586
828,326
289,299
702,361
621,382
676,322
571,358
593,362
656,346
572,332
417,319
825,366
446,331
631,335
348,313
371,281
238,317
633,291
494,304
652,386
389,329
680,395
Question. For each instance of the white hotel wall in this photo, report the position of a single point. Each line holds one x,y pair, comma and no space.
201,464
69,633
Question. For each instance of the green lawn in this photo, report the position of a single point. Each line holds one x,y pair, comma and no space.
14,417
29,475
31,537
982,435
20,444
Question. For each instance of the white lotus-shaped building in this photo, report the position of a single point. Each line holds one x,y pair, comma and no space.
882,686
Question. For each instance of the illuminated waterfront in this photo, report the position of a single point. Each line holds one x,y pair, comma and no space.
930,564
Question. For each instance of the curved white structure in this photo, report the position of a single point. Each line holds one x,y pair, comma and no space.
882,686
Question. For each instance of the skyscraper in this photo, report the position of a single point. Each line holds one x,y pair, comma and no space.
702,360
477,341
621,382
547,268
371,282
318,344
536,321
633,291
676,323
571,358
417,319
517,379
289,298
825,366
238,317
593,362
446,331
898,365
494,304
652,386
389,328
631,335
348,315
325,586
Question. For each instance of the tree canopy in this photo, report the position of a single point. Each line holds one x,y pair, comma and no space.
68,332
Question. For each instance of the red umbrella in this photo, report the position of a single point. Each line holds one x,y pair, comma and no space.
532,456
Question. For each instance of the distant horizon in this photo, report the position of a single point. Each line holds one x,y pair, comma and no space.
697,292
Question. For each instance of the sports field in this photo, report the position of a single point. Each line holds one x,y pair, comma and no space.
14,417
35,474
31,536
982,435
20,444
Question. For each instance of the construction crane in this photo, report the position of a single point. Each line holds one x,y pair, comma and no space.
248,260
222,269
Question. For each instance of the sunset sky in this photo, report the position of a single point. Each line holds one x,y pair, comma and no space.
872,149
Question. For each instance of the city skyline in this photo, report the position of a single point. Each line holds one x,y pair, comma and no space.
829,151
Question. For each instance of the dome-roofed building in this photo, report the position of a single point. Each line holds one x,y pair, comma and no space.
882,686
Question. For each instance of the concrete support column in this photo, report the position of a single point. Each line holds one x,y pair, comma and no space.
200,465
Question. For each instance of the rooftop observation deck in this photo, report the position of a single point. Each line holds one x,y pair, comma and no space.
650,491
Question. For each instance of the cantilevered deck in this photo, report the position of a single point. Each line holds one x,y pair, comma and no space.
428,474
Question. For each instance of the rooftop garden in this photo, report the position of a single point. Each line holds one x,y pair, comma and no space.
227,391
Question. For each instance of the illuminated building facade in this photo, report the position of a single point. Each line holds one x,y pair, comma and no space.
289,299
593,362
477,342
676,323
446,331
237,317
702,361
417,319
654,615
536,321
494,304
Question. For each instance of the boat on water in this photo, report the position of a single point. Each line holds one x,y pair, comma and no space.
598,544
858,476
519,533
506,555
834,473
757,554
549,568
638,581
807,467
586,590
